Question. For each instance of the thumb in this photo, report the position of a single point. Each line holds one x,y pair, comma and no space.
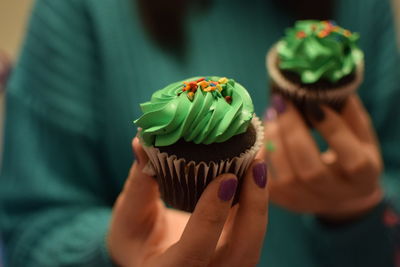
139,201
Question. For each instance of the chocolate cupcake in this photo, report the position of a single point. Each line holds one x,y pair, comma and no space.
195,130
316,62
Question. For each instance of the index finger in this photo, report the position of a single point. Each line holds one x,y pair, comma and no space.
302,151
358,120
341,139
250,224
200,237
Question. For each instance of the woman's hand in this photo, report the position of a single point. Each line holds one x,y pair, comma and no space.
340,184
144,232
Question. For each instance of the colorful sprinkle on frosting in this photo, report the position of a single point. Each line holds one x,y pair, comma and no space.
207,85
319,50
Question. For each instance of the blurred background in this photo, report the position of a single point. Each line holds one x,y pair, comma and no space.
13,18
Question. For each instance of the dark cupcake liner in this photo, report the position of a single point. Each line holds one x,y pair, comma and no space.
181,181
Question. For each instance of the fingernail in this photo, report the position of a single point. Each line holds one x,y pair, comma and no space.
260,174
227,189
270,114
314,112
278,103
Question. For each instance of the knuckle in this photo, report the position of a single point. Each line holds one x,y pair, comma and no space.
261,209
293,138
285,179
312,174
211,218
332,128
357,166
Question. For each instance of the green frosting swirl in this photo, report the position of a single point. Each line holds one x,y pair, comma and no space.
319,50
203,117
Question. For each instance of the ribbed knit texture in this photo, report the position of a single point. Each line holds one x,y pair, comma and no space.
84,68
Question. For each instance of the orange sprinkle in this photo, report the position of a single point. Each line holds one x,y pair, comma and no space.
346,33
186,87
209,89
203,84
190,95
301,34
323,34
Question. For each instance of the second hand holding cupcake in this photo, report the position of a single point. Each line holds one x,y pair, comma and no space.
338,185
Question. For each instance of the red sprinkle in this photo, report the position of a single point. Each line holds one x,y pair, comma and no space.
301,34
201,79
228,99
192,86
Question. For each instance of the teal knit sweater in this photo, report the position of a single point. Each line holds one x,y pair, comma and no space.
86,65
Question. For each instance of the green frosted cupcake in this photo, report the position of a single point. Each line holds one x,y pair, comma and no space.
316,61
194,130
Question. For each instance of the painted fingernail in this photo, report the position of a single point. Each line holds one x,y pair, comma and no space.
314,112
278,103
260,174
227,189
270,114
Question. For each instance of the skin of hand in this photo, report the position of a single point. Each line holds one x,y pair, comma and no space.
143,232
338,185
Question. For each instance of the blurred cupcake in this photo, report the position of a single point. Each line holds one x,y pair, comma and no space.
316,62
194,130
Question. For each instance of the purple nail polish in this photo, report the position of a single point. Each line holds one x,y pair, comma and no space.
270,114
278,103
227,189
260,174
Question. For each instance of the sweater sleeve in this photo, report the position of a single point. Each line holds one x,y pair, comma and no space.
372,241
54,191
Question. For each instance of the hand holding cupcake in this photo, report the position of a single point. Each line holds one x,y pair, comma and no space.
143,232
318,67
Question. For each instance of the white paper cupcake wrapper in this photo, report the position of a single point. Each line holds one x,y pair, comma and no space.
297,92
181,182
